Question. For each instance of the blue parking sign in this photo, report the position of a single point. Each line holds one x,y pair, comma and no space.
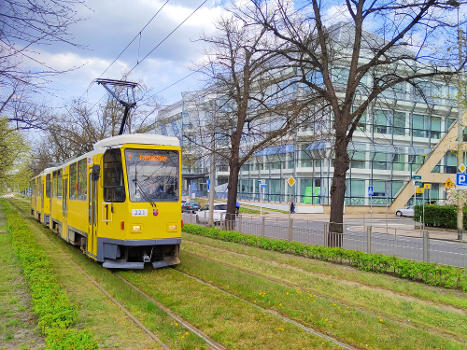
461,180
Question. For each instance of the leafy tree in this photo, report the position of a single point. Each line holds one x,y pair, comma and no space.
14,158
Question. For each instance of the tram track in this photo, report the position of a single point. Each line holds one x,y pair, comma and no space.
271,312
386,316
408,298
209,342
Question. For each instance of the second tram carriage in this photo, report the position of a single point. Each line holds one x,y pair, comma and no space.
120,203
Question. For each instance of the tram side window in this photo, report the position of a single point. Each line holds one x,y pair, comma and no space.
48,186
57,184
82,180
73,181
114,188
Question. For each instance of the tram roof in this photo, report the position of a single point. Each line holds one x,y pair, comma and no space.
141,139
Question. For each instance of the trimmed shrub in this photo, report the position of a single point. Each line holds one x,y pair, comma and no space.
428,273
439,216
55,312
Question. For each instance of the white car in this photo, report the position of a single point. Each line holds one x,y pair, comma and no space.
220,209
405,212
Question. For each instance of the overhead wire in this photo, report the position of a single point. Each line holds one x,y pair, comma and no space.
166,37
135,37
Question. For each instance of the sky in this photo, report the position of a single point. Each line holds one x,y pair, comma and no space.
107,26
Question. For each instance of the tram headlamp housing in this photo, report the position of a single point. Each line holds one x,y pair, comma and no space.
136,228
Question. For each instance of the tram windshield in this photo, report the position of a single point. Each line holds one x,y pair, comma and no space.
152,175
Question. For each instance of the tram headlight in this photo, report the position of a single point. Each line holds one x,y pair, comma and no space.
172,227
136,228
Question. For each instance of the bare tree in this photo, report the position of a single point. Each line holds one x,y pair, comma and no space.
380,43
75,132
24,27
249,103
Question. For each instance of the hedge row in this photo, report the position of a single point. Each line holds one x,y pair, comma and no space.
55,312
440,216
429,273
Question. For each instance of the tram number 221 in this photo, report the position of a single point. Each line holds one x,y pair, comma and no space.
139,212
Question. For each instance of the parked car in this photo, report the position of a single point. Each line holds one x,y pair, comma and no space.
220,209
190,207
405,211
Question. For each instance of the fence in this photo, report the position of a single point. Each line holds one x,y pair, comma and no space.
404,242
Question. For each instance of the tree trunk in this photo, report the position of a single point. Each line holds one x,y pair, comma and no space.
341,165
232,188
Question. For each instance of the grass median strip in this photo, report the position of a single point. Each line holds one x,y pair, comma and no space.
350,325
399,309
17,323
226,319
385,283
56,314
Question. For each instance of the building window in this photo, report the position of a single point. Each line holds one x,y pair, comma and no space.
419,125
357,192
435,127
361,125
450,160
381,122
380,161
398,162
358,160
449,122
399,123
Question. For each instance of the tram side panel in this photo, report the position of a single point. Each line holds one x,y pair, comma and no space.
47,200
57,193
77,213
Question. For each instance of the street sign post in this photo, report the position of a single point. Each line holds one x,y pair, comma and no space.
448,183
291,181
461,181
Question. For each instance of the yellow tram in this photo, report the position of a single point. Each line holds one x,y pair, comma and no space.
120,203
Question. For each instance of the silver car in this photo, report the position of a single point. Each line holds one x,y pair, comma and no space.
408,211
220,209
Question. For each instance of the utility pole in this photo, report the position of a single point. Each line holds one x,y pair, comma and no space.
212,174
460,125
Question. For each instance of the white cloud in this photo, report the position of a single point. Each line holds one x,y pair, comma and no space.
336,13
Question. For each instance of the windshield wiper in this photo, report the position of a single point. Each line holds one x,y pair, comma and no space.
144,194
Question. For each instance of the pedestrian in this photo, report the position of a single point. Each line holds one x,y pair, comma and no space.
237,208
292,207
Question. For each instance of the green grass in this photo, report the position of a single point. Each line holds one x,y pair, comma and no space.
17,325
228,320
348,324
373,301
244,210
449,297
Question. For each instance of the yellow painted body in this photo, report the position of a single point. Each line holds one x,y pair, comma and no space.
71,217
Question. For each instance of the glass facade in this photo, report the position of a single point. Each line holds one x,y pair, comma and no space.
393,139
